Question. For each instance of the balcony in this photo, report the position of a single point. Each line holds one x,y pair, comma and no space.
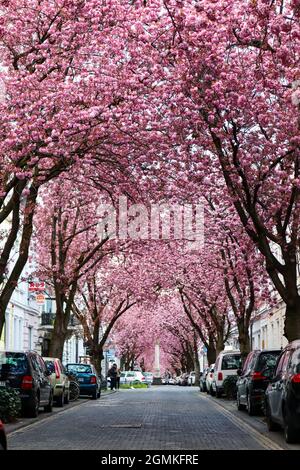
47,321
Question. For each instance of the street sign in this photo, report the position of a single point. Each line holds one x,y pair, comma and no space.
40,299
36,286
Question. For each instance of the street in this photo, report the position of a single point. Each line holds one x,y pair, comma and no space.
159,418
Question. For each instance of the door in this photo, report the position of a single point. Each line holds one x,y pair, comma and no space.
244,378
45,381
276,388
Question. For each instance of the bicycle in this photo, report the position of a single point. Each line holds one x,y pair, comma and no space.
74,387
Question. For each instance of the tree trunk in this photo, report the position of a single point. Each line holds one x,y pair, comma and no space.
197,368
57,344
211,352
292,321
244,340
96,359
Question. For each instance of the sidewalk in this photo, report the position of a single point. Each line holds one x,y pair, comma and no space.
24,422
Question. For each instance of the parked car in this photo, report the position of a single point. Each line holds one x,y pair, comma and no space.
130,376
191,378
148,377
59,379
254,379
27,372
172,381
209,379
282,398
227,363
3,440
202,380
89,382
183,380
164,380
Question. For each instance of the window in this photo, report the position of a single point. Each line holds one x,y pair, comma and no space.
282,364
30,338
231,362
79,368
13,363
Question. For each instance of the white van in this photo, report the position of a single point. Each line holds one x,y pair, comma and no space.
227,363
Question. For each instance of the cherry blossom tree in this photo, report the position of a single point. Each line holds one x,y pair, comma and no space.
233,83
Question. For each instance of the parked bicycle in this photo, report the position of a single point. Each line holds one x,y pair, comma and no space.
74,387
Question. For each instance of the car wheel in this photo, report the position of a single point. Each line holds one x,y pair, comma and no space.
218,393
271,425
49,408
240,407
99,393
291,434
95,395
32,410
212,393
250,407
61,399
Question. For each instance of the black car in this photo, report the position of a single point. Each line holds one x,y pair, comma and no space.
3,441
282,399
202,380
254,379
27,372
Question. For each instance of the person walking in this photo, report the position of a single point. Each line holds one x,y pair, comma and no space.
112,374
118,378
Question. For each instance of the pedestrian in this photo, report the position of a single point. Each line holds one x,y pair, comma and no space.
112,373
118,378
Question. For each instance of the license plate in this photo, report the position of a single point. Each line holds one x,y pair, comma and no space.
81,379
2,383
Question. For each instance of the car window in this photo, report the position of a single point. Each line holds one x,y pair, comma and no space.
50,366
231,362
295,362
247,363
79,368
13,363
282,364
35,363
267,360
130,374
42,365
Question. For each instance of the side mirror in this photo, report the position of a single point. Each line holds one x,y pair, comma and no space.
239,372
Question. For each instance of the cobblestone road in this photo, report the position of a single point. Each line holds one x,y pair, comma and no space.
160,418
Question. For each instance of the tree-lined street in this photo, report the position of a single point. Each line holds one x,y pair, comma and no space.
150,221
161,418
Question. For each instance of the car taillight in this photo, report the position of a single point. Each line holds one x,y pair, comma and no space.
220,376
93,379
296,379
143,378
258,376
27,382
57,371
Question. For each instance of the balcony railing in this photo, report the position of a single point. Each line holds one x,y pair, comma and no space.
49,318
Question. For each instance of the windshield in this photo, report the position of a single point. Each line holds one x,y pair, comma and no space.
231,362
267,360
13,363
79,368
